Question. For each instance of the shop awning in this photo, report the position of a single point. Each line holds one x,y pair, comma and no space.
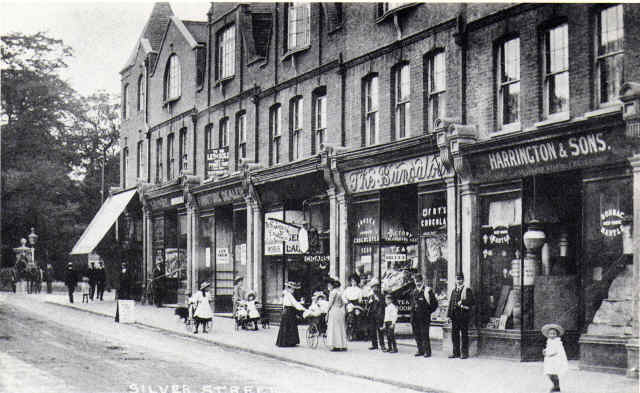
102,222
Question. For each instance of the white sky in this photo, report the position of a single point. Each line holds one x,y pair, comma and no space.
102,34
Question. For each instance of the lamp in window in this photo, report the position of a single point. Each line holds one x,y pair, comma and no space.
533,240
563,244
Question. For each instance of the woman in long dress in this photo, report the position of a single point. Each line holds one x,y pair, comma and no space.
288,332
203,313
336,326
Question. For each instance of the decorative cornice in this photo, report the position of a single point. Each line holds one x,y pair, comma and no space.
292,169
215,185
173,119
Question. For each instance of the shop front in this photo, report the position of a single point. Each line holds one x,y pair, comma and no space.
220,254
550,227
398,224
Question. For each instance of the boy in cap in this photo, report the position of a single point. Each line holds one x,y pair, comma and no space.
459,311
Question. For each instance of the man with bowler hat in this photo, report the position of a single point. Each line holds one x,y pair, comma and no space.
101,279
376,317
460,304
423,303
91,273
71,280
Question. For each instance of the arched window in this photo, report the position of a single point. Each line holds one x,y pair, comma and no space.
172,87
141,91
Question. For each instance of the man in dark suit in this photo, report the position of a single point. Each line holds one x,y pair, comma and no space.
71,280
376,317
423,303
101,279
460,304
91,274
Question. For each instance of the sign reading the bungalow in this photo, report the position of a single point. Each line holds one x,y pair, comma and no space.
558,154
400,173
218,161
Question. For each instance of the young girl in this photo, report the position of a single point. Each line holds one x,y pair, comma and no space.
390,319
252,308
202,313
555,359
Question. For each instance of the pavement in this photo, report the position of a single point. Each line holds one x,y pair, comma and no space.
438,373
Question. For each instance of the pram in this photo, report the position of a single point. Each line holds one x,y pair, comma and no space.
317,328
241,315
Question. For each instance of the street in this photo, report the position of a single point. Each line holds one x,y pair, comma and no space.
48,348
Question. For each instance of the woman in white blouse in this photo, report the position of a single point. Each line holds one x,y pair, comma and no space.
288,332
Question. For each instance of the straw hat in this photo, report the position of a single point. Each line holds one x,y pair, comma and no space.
251,293
204,285
545,329
292,285
334,281
238,279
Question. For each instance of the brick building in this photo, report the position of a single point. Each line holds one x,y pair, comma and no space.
290,141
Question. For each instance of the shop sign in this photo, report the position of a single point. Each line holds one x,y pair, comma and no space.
395,258
179,200
221,197
222,255
611,222
410,171
322,261
366,230
564,153
281,235
404,305
500,235
218,161
433,218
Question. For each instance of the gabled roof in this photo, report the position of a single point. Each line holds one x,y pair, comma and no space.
153,32
199,30
185,33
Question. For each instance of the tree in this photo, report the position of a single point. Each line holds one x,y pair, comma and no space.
39,111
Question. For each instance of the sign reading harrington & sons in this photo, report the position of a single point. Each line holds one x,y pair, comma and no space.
415,170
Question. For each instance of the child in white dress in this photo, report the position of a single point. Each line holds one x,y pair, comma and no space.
252,309
555,358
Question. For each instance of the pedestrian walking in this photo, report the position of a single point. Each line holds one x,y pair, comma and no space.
375,317
14,280
252,309
459,312
423,303
70,280
202,314
336,317
555,358
101,279
91,275
49,277
288,331
390,319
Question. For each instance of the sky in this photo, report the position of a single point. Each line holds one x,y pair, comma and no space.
101,34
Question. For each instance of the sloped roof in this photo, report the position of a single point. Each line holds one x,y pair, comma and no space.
199,30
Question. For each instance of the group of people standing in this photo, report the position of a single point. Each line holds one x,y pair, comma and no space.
382,315
95,274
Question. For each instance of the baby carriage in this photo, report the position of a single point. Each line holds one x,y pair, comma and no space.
316,315
241,315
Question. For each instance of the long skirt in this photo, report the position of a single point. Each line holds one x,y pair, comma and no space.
288,332
336,328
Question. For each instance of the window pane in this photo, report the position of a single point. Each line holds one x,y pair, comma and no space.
374,94
559,93
558,53
611,30
610,77
438,75
510,100
511,60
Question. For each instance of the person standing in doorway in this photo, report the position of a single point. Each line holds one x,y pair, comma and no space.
70,280
49,277
101,279
91,274
459,312
423,303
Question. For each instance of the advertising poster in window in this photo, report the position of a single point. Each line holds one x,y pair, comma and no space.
280,235
365,233
433,231
218,162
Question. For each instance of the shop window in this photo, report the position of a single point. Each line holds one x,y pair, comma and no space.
370,111
226,53
275,133
509,85
170,157
556,71
402,101
436,88
172,81
609,54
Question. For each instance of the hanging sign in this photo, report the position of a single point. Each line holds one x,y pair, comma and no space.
322,261
218,161
280,236
611,222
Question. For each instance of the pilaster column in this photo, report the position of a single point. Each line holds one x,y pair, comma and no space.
634,344
333,232
344,266
469,235
147,258
258,219
190,254
452,224
249,279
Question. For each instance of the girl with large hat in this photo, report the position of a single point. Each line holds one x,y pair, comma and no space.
288,332
203,313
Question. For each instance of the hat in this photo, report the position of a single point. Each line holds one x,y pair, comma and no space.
251,293
204,285
545,329
317,294
238,279
334,281
459,276
292,285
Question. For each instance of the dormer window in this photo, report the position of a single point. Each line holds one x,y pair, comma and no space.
226,52
172,85
299,26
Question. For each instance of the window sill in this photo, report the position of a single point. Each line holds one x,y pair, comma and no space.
294,51
396,10
508,129
554,119
617,107
224,80
170,100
